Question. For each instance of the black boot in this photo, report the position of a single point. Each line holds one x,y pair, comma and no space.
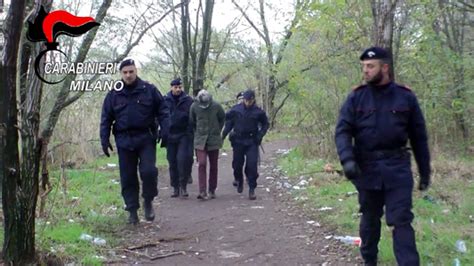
149,211
175,192
240,186
252,194
133,217
184,192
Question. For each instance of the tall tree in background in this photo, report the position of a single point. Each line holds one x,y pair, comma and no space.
19,191
190,44
383,12
452,28
185,31
200,70
269,93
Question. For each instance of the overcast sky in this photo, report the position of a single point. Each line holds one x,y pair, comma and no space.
278,14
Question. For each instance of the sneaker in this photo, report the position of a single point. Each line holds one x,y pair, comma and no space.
252,194
175,193
202,196
184,192
133,218
212,194
149,211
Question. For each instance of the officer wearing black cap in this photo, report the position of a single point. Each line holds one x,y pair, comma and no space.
249,124
132,114
375,123
180,140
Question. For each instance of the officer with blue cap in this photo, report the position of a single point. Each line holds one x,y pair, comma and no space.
131,114
249,124
375,124
179,148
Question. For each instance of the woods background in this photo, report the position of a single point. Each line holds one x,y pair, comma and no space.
302,72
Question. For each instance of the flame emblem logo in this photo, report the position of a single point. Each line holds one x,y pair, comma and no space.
48,26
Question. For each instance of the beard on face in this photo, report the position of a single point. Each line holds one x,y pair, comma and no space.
375,80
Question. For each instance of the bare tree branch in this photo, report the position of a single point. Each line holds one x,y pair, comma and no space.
249,20
120,57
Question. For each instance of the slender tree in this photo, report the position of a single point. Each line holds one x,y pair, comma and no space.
19,196
383,12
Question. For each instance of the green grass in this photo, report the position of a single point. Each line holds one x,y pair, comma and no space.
91,205
438,225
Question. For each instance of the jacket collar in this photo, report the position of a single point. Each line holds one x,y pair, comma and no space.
139,86
181,97
385,90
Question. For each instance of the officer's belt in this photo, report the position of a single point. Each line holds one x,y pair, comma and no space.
245,134
136,131
381,154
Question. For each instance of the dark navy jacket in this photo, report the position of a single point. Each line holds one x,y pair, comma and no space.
249,124
134,114
179,116
375,121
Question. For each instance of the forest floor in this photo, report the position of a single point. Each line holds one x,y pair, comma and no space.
232,229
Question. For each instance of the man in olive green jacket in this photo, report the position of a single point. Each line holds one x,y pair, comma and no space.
207,119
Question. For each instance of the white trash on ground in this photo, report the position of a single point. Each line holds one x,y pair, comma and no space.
95,240
461,246
351,240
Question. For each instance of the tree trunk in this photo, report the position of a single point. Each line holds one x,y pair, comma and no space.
186,45
205,44
383,12
19,223
270,89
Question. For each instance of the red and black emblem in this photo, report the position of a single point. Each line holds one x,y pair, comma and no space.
48,26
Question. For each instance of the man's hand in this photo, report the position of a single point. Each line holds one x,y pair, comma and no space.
258,139
106,147
164,140
424,183
351,170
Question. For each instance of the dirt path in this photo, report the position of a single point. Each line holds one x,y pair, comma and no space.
231,229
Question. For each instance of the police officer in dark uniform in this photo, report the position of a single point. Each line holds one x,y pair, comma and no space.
180,144
374,125
132,113
240,99
249,124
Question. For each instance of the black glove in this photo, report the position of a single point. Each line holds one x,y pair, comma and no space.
162,137
351,170
258,139
164,140
105,148
424,183
231,136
